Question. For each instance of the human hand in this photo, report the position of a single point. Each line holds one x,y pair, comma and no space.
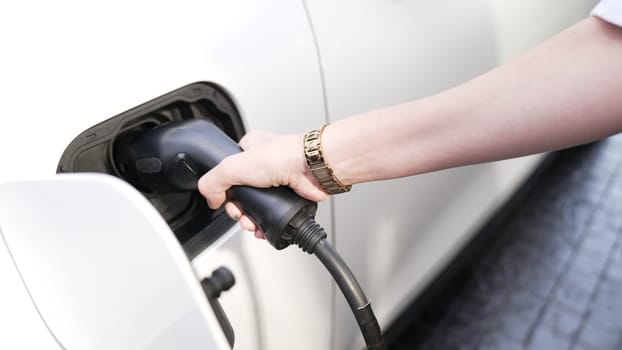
268,160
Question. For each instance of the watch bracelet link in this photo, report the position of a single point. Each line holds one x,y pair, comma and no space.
317,164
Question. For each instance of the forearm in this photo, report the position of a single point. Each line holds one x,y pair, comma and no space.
568,91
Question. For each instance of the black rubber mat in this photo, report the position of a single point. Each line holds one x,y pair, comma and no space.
552,276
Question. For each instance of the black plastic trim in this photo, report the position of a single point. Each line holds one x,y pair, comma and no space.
187,213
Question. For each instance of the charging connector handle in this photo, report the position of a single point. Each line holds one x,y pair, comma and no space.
171,157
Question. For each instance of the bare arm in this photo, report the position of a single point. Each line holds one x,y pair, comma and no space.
565,92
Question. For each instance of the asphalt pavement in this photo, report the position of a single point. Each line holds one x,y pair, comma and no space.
551,277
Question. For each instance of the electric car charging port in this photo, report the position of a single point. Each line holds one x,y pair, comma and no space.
98,149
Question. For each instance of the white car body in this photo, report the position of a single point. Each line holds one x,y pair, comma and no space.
289,66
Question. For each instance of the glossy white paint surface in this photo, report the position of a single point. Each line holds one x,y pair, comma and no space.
27,329
102,267
68,65
378,53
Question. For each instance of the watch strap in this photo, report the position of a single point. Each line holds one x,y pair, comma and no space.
318,166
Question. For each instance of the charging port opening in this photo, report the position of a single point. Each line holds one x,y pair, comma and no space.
187,213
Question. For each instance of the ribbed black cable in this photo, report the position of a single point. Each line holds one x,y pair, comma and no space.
353,293
311,238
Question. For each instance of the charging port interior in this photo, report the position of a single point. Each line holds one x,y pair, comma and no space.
187,213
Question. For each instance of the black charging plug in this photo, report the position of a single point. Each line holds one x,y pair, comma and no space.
172,157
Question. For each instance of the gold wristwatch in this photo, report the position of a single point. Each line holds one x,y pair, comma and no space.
319,168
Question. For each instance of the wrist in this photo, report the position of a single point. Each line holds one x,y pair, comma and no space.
333,148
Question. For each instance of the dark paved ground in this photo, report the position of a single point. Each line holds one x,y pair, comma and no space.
552,278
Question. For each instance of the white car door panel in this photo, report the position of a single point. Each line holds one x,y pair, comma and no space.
378,53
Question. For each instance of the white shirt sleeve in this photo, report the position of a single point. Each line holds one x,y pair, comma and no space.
610,11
